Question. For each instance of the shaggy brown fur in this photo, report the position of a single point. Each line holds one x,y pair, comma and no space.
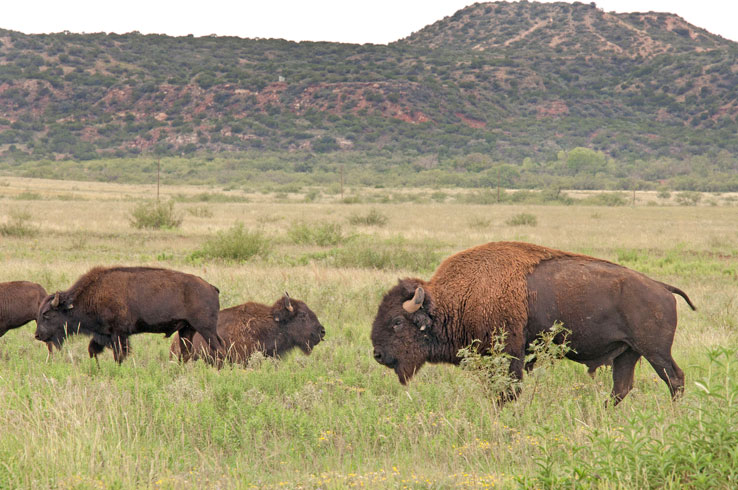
481,291
113,303
19,302
272,330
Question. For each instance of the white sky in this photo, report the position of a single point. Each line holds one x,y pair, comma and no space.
355,21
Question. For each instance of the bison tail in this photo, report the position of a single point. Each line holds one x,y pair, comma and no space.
681,293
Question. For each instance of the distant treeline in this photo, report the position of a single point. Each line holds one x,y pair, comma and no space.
579,168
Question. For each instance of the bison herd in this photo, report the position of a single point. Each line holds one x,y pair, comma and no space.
614,315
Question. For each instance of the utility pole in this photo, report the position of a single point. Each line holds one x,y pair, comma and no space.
498,185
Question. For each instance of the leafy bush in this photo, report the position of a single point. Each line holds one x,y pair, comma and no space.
522,219
236,243
606,199
200,212
372,218
479,222
324,234
18,224
157,215
492,368
688,198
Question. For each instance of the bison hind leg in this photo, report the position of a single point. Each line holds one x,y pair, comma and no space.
623,369
668,371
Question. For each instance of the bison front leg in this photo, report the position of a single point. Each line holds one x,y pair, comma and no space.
93,349
121,347
516,349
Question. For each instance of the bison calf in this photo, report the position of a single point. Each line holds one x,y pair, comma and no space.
113,303
272,330
614,314
19,302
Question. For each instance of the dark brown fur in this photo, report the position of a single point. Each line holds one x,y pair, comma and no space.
506,286
19,302
113,303
272,330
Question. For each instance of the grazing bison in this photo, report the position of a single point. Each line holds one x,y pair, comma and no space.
614,314
272,330
113,303
19,301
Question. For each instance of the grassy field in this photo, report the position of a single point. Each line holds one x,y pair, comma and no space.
337,419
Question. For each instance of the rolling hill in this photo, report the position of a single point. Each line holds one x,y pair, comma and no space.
506,80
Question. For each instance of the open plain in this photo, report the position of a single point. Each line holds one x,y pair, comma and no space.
336,418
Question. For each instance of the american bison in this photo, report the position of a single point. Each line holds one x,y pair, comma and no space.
113,303
614,314
19,302
272,330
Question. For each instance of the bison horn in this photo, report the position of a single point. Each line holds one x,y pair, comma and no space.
413,305
55,301
287,303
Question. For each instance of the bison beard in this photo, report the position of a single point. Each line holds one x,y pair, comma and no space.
616,315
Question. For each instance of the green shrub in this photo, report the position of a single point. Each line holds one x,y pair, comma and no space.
688,198
236,243
663,194
479,222
157,215
522,219
491,368
606,199
200,212
28,196
439,196
483,197
18,224
372,218
323,234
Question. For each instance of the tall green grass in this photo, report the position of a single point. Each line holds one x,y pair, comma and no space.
337,419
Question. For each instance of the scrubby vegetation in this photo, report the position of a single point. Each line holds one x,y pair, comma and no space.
153,214
234,244
571,105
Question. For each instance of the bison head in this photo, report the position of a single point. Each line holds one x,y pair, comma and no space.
298,322
54,319
401,329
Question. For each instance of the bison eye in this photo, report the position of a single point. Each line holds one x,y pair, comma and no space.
397,323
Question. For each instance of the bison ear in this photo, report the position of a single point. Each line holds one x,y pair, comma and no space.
283,309
59,302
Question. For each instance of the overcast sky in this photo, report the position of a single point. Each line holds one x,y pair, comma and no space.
355,21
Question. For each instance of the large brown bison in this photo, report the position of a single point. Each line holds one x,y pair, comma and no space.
614,314
272,330
19,302
113,303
